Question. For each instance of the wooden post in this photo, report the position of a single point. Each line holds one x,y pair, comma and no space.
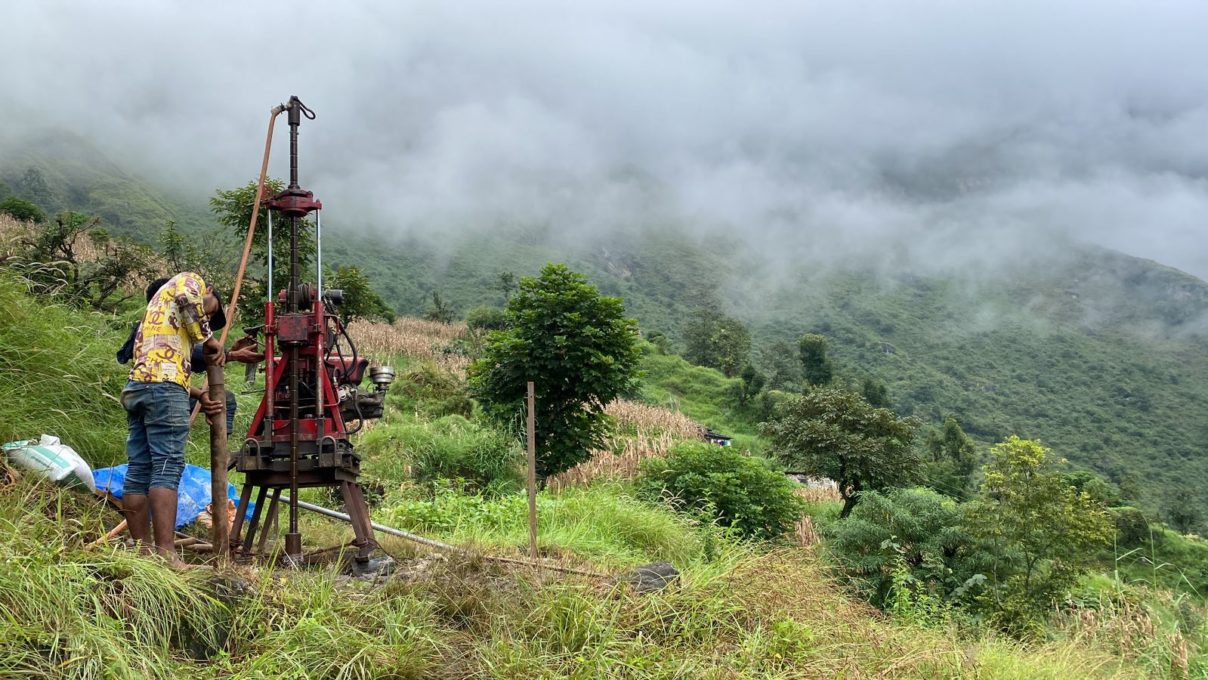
532,469
221,528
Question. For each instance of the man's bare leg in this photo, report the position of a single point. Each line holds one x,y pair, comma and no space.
138,520
163,521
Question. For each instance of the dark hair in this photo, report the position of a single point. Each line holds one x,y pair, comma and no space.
154,286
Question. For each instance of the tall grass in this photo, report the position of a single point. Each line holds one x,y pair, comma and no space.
601,523
58,375
642,431
413,338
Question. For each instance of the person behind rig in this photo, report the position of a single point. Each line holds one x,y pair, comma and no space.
184,312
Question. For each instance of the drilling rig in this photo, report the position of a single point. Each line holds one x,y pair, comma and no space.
299,436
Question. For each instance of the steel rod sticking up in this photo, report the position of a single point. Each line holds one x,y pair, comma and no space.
293,538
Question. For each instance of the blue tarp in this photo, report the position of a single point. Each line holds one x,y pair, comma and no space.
193,493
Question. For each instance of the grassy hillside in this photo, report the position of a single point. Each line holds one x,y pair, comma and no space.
1099,355
73,609
61,171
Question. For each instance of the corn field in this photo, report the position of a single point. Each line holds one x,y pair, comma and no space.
643,431
412,337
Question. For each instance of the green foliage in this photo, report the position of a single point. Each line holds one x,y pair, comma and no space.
1044,533
506,285
52,265
780,361
33,184
1099,489
915,529
361,301
602,521
484,318
950,459
703,394
659,341
23,210
58,376
875,393
1182,509
752,384
439,310
232,208
739,491
425,387
833,433
817,366
579,350
451,448
715,340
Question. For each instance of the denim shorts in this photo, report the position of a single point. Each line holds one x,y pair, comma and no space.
157,414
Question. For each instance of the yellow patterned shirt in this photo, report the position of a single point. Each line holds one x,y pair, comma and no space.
174,320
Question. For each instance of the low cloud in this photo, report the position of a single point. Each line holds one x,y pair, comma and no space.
927,134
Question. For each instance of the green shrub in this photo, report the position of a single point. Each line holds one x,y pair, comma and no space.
427,388
486,318
449,448
742,492
904,540
22,209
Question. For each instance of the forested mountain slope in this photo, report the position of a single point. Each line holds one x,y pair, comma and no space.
1096,353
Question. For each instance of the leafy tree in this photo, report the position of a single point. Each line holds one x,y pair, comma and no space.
480,321
361,301
915,529
739,491
54,265
233,210
486,319
951,459
1099,489
579,350
1043,532
439,310
833,433
33,184
662,344
505,283
752,383
1182,508
175,247
875,393
717,341
783,369
23,210
818,369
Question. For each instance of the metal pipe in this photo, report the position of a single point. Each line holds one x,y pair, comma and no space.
269,292
319,253
220,529
443,546
293,539
376,527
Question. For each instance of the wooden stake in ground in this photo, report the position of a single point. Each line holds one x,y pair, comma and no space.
221,529
532,469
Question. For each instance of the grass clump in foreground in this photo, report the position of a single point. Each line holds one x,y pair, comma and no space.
58,376
70,611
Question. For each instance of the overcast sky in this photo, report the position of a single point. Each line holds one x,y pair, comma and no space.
931,130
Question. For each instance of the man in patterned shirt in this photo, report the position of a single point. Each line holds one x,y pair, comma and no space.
156,399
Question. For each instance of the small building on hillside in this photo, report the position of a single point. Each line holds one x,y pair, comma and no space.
714,437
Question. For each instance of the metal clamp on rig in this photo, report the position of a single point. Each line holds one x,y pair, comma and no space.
299,436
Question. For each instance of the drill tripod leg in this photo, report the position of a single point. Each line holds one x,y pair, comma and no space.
255,521
362,527
240,512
